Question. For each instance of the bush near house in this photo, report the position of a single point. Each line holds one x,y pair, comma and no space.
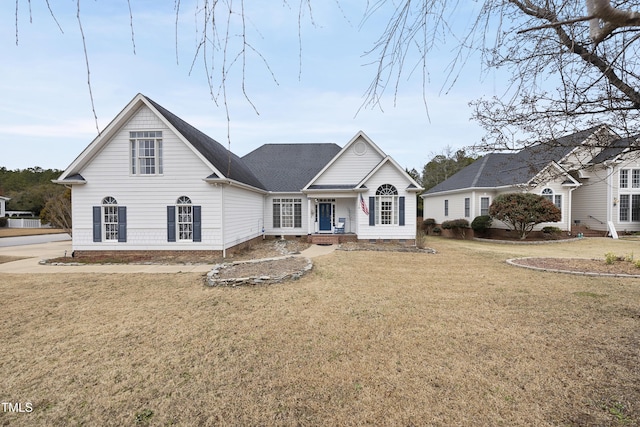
457,226
428,225
481,225
3,222
521,212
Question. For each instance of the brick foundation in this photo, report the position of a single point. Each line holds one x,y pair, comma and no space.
166,253
405,242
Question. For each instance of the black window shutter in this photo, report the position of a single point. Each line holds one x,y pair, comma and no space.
401,205
171,223
97,224
372,211
122,223
197,223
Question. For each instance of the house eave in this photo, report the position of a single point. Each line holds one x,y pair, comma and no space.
69,181
334,190
234,183
468,189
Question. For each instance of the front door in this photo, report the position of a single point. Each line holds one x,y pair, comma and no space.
324,216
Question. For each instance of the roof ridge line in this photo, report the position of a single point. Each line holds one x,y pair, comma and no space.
480,170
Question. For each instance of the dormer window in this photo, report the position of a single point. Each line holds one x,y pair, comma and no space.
146,152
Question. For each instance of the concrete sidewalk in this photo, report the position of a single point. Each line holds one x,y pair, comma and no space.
35,253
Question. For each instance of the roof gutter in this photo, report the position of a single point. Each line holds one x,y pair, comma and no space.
234,183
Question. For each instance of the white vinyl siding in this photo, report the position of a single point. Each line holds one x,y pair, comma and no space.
147,197
387,174
350,168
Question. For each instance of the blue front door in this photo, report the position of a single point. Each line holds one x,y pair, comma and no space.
324,216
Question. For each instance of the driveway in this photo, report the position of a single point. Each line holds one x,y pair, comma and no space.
33,240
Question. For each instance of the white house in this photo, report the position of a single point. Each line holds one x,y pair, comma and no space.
3,205
151,181
593,176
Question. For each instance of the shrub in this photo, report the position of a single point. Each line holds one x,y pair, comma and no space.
457,226
3,222
523,211
610,258
551,230
436,230
428,225
481,224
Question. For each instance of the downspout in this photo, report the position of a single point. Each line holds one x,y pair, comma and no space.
224,245
309,217
609,195
570,208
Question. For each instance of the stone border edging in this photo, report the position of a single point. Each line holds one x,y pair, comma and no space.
513,262
212,280
521,242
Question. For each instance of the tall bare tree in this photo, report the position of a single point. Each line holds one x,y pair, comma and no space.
571,63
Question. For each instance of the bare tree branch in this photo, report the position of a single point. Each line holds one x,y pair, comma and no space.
86,59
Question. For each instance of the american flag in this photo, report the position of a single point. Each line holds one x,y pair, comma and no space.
363,205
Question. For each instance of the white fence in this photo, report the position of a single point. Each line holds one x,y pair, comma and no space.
26,223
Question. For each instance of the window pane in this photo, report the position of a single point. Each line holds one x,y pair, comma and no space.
635,178
276,213
624,178
624,207
635,207
297,214
484,206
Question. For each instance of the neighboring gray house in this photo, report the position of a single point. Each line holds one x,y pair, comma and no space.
592,176
151,181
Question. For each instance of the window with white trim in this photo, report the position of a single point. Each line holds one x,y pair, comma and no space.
446,208
110,218
629,178
185,219
629,208
484,205
146,152
387,205
467,207
556,199
287,213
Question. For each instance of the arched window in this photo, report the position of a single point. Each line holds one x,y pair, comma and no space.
387,205
185,218
110,218
556,199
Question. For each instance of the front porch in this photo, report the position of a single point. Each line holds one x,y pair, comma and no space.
331,239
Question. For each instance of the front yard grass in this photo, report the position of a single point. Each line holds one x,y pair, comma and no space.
455,338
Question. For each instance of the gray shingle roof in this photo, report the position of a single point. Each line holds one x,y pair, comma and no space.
289,167
503,169
212,150
616,148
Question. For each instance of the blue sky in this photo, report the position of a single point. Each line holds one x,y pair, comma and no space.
45,110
